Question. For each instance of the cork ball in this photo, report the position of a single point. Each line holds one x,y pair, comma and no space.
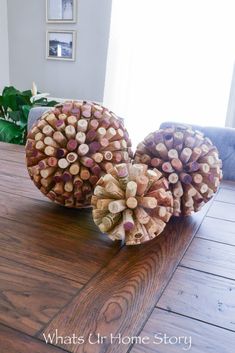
188,160
71,146
132,203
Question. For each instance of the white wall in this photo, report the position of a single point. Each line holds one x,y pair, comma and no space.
83,78
4,53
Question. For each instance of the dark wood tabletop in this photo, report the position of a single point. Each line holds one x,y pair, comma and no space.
61,279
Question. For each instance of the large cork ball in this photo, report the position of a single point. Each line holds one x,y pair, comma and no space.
132,203
71,146
188,160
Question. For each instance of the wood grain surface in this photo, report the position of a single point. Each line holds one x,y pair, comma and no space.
217,230
57,271
123,294
164,329
12,341
29,298
201,296
222,210
212,257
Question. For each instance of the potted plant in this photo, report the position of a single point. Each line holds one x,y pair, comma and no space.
14,110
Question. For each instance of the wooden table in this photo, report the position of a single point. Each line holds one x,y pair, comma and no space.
58,273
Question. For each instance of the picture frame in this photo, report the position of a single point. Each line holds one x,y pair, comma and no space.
61,45
61,11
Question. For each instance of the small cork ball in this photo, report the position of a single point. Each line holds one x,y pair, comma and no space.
188,160
132,203
71,146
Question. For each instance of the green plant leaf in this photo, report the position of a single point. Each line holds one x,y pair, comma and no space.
8,91
25,113
10,132
15,115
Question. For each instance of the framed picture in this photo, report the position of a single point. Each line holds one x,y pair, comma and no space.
61,45
61,11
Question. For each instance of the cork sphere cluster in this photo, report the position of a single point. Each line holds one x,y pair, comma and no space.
132,203
188,160
71,146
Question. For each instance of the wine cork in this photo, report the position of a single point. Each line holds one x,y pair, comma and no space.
117,206
108,156
50,151
173,154
84,173
80,137
117,233
83,149
74,168
77,181
167,167
148,202
59,188
114,190
109,221
91,135
185,154
155,162
173,178
177,164
110,133
168,139
97,157
63,163
128,221
108,177
50,142
45,173
68,186
60,125
103,204
40,145
101,132
93,179
61,152
72,120
191,167
142,215
48,130
60,138
189,142
94,147
178,190
131,202
51,119
71,157
197,178
82,125
72,145
87,162
178,138
52,161
204,167
196,153
70,131
93,124
162,150
38,137
186,178
131,189
142,184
